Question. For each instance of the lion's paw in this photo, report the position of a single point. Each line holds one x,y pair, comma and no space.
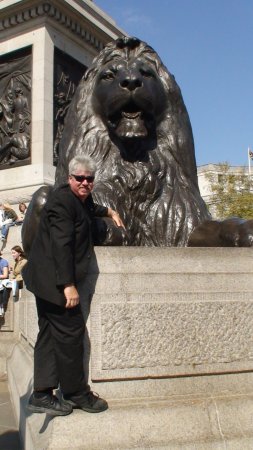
232,232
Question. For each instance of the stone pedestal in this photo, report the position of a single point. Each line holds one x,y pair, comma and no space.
79,30
170,333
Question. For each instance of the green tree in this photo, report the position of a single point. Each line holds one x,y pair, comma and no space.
232,193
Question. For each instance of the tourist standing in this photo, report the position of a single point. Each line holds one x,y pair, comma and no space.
57,263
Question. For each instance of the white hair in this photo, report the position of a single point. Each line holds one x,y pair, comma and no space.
83,162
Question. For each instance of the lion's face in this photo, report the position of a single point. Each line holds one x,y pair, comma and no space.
129,97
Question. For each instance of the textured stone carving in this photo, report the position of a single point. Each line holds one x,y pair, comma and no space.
67,74
171,335
15,112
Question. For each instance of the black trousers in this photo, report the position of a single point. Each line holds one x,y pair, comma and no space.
58,352
4,297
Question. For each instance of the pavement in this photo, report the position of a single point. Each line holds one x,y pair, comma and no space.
9,435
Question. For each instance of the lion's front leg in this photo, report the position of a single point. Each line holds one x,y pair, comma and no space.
232,232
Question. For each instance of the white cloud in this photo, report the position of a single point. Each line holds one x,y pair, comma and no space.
132,16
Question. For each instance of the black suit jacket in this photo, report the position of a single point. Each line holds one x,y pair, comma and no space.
63,245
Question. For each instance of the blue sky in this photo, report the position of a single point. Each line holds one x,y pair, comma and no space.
208,46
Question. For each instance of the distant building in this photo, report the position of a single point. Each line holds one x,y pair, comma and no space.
205,184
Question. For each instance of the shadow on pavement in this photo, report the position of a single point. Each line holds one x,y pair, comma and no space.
10,440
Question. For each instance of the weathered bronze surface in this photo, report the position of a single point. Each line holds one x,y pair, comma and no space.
232,232
15,108
128,114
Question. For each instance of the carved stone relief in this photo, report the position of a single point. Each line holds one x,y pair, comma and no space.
15,108
67,74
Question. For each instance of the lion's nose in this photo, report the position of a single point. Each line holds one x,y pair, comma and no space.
131,83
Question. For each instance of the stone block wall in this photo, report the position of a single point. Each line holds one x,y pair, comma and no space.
160,313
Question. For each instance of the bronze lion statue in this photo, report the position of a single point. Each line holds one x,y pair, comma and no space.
128,114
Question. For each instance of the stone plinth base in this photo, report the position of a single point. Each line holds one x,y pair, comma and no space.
191,418
171,349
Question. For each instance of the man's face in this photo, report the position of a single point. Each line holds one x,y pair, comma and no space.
82,186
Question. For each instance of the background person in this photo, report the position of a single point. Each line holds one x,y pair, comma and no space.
22,210
20,261
4,274
9,218
57,263
1,220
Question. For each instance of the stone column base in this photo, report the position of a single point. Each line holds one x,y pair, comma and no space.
195,417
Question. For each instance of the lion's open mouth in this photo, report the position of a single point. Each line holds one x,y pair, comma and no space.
129,122
131,115
115,119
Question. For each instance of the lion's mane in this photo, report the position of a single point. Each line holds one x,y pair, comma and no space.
158,198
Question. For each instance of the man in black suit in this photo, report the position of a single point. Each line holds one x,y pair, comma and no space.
57,262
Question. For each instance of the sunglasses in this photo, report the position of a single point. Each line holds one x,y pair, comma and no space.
81,178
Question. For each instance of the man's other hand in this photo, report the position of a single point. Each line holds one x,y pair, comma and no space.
72,296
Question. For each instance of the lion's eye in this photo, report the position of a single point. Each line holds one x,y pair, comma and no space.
107,76
146,73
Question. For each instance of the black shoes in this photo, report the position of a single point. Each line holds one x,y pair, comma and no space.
49,404
87,401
